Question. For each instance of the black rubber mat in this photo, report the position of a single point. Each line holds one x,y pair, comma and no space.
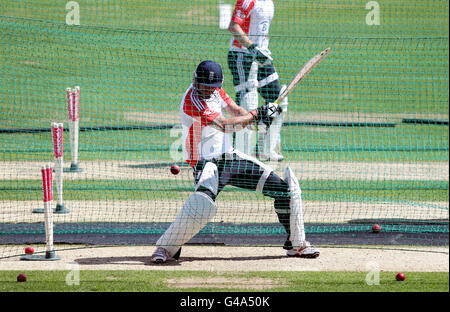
359,232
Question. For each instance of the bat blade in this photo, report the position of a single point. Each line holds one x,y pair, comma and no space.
302,73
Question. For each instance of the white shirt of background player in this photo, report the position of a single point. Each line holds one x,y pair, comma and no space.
254,17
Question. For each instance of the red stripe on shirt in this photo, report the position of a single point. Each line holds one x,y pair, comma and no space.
241,16
192,142
199,109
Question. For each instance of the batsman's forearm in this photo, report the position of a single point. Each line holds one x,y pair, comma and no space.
242,121
239,111
239,34
234,124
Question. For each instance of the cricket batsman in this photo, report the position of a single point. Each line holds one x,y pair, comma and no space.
207,115
251,64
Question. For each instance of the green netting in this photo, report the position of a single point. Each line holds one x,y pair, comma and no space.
366,132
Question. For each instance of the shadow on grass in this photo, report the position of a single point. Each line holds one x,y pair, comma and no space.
127,260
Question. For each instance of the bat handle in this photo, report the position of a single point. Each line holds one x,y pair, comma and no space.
279,109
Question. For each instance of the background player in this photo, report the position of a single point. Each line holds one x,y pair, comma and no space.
207,148
250,63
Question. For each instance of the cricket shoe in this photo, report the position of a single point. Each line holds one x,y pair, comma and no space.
272,157
276,157
305,251
161,255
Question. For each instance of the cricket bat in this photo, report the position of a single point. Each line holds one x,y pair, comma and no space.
302,73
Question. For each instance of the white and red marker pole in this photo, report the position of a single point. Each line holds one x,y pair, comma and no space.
58,148
47,189
57,131
69,110
73,108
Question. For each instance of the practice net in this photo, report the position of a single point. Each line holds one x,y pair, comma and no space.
366,132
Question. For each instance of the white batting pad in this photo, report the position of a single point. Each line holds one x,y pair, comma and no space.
271,144
197,211
246,138
296,219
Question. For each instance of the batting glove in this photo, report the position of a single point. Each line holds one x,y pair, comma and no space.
262,56
267,113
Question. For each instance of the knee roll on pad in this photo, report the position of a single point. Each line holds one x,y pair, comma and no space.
292,181
209,178
207,192
295,203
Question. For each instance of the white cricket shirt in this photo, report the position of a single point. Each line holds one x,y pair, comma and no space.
200,140
254,16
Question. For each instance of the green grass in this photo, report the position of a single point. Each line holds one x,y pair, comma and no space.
404,142
135,58
320,190
158,281
128,60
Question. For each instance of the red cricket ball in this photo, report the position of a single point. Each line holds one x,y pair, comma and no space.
175,169
376,228
29,250
400,277
21,277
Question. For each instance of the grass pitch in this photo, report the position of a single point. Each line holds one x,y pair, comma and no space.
186,281
137,57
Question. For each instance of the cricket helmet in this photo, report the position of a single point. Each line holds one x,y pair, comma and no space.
209,73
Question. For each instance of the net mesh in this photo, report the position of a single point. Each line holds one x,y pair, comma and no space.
366,131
